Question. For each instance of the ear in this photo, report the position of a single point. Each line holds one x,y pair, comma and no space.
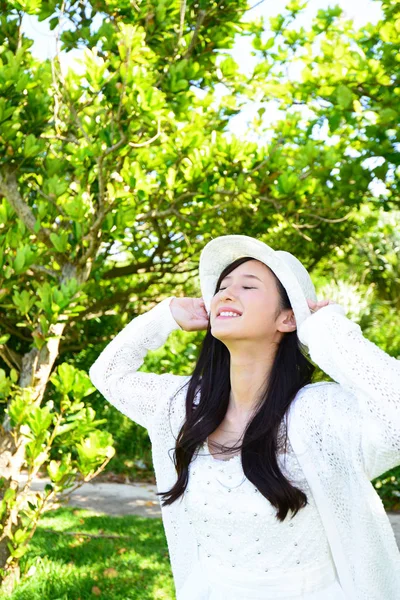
287,321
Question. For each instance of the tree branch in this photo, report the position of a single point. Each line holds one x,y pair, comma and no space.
182,12
200,19
132,269
41,269
50,199
77,347
325,220
152,214
97,309
150,141
172,210
137,266
9,189
16,331
12,359
93,234
297,229
61,138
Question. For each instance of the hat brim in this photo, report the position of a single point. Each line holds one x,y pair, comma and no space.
223,250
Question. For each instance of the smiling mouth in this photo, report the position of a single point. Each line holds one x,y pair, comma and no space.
227,317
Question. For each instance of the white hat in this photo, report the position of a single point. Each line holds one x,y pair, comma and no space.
223,250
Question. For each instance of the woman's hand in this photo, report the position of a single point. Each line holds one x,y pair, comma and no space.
314,306
190,313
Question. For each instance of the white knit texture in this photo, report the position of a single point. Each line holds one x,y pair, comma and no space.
343,434
236,529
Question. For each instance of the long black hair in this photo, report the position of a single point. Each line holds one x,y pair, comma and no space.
291,370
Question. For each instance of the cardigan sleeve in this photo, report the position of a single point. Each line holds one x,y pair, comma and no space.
115,372
337,345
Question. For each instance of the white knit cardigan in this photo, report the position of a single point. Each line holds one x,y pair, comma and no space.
344,433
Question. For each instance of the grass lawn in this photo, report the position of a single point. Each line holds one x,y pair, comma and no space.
77,567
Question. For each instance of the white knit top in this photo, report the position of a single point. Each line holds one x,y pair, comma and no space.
236,528
236,524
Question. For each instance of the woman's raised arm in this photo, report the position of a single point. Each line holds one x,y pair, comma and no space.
115,372
337,345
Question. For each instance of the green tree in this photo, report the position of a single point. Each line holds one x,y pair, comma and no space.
348,81
113,177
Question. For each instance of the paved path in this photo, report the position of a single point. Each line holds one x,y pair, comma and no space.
120,499
115,499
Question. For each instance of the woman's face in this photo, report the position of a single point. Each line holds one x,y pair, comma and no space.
251,290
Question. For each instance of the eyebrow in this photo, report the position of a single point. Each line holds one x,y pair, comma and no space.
245,275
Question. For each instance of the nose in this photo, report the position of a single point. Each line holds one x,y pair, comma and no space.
226,292
225,295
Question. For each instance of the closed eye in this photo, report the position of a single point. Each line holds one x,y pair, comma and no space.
246,288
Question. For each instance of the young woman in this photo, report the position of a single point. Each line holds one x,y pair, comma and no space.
267,493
